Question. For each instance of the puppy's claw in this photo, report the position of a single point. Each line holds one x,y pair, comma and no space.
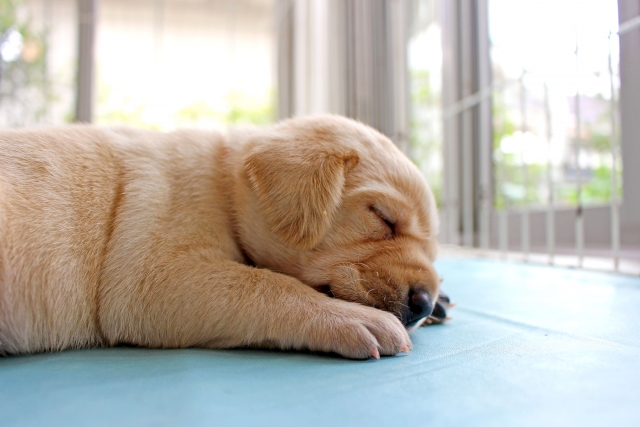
442,297
439,311
439,314
357,331
405,349
375,353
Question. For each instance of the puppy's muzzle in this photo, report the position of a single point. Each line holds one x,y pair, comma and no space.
420,305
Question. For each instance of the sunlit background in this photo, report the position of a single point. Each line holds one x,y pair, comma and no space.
534,72
520,125
158,64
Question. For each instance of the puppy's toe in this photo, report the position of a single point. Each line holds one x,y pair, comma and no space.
392,336
439,314
444,298
359,332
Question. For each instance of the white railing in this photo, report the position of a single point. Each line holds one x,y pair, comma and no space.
452,208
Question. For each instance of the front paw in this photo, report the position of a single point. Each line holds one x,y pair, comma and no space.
439,314
358,332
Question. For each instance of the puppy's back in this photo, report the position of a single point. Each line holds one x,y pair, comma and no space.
58,189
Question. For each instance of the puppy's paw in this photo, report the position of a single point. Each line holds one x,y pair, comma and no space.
439,314
358,332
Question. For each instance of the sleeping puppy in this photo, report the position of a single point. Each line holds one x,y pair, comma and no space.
193,239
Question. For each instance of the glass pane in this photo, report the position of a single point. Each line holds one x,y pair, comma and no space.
425,77
159,63
546,93
164,64
38,43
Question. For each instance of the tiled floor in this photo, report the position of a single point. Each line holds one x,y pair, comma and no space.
527,346
594,259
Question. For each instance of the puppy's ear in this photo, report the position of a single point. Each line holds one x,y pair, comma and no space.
299,188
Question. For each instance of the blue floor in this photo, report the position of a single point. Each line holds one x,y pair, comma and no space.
528,345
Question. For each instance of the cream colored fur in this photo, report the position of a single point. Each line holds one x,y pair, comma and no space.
193,239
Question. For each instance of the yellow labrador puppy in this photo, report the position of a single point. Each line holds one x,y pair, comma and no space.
193,239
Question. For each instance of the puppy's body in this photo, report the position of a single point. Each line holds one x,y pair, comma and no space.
126,236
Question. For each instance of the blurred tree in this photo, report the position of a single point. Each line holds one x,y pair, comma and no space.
24,87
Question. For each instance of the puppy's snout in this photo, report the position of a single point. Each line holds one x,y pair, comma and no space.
420,306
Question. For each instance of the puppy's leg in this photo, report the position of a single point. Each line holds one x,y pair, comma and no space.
225,304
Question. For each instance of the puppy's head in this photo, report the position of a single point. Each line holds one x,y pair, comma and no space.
335,204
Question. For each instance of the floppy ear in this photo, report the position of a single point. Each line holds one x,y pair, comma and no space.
299,188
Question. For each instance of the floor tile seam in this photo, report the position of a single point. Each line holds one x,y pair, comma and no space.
420,372
366,386
522,324
453,353
390,378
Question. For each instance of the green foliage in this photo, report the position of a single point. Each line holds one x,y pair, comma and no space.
126,113
244,110
503,124
519,185
597,188
8,14
425,139
421,93
241,110
197,112
601,142
130,114
508,176
24,87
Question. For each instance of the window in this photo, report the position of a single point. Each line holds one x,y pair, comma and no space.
157,64
538,127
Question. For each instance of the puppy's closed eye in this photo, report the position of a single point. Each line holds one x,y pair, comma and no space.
388,223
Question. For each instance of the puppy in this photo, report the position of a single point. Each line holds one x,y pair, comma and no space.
193,239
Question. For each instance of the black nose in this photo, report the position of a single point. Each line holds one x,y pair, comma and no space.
420,306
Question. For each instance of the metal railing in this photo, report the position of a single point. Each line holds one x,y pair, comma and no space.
481,99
